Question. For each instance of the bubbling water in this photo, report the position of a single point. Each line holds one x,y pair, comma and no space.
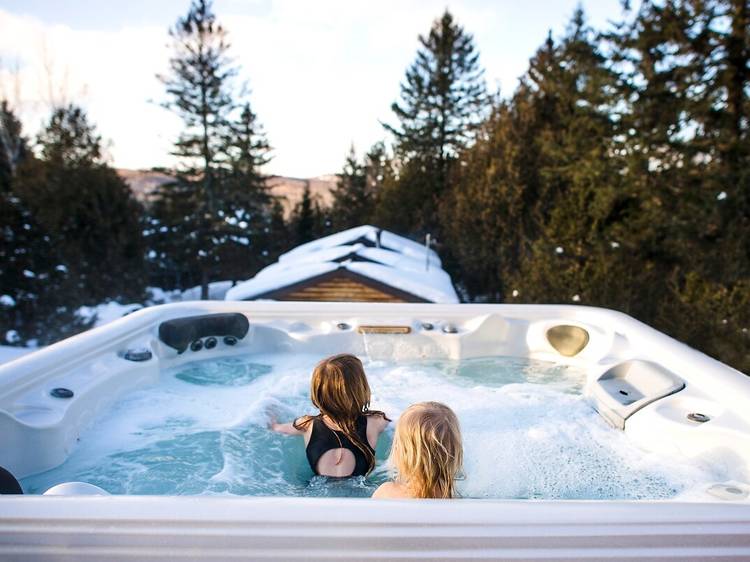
527,430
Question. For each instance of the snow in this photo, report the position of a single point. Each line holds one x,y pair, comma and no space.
106,312
29,274
9,353
275,279
12,336
7,300
721,196
110,311
400,261
385,257
388,240
216,292
433,285
409,267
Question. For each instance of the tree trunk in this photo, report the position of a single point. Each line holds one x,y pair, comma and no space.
204,282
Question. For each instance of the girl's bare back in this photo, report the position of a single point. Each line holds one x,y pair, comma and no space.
338,462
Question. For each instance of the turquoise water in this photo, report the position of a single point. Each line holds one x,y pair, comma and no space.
528,433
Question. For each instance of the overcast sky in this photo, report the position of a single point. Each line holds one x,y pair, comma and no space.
322,74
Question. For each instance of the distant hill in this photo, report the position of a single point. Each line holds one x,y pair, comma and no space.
144,183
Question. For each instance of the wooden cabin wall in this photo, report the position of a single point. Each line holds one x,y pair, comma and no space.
338,289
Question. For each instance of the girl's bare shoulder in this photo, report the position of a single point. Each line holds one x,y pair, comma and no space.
378,419
392,491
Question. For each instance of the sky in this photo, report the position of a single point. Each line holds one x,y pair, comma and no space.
322,75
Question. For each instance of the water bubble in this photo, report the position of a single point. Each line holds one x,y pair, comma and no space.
528,433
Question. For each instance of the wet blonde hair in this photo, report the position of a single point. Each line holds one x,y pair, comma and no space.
427,453
339,389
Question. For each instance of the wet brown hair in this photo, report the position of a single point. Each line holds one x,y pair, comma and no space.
339,389
427,451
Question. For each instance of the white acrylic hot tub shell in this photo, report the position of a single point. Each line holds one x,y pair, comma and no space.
37,432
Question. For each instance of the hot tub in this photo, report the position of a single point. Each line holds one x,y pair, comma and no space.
588,435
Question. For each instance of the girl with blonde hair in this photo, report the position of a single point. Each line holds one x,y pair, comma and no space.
427,453
340,441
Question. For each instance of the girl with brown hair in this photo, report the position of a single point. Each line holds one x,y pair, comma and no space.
427,454
340,441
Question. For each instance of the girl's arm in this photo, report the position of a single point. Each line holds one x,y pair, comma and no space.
376,424
285,428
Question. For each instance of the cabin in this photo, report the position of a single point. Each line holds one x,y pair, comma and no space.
362,264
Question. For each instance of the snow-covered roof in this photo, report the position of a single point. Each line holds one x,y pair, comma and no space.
398,262
365,234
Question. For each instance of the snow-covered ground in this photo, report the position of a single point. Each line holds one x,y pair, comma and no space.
109,311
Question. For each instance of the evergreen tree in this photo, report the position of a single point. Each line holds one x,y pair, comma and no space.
539,187
580,236
13,148
87,210
212,218
487,220
199,91
685,80
307,221
244,236
69,140
38,293
443,100
351,199
358,188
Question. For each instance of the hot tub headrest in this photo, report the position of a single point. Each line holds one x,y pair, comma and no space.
180,332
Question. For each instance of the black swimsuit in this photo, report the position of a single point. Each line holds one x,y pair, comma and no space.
323,439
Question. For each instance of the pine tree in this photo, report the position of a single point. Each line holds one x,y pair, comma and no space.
358,188
580,237
13,147
199,91
487,217
214,219
86,208
686,82
443,100
69,232
39,296
351,200
244,237
542,177
307,221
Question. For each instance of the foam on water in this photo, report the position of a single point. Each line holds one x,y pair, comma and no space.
528,433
